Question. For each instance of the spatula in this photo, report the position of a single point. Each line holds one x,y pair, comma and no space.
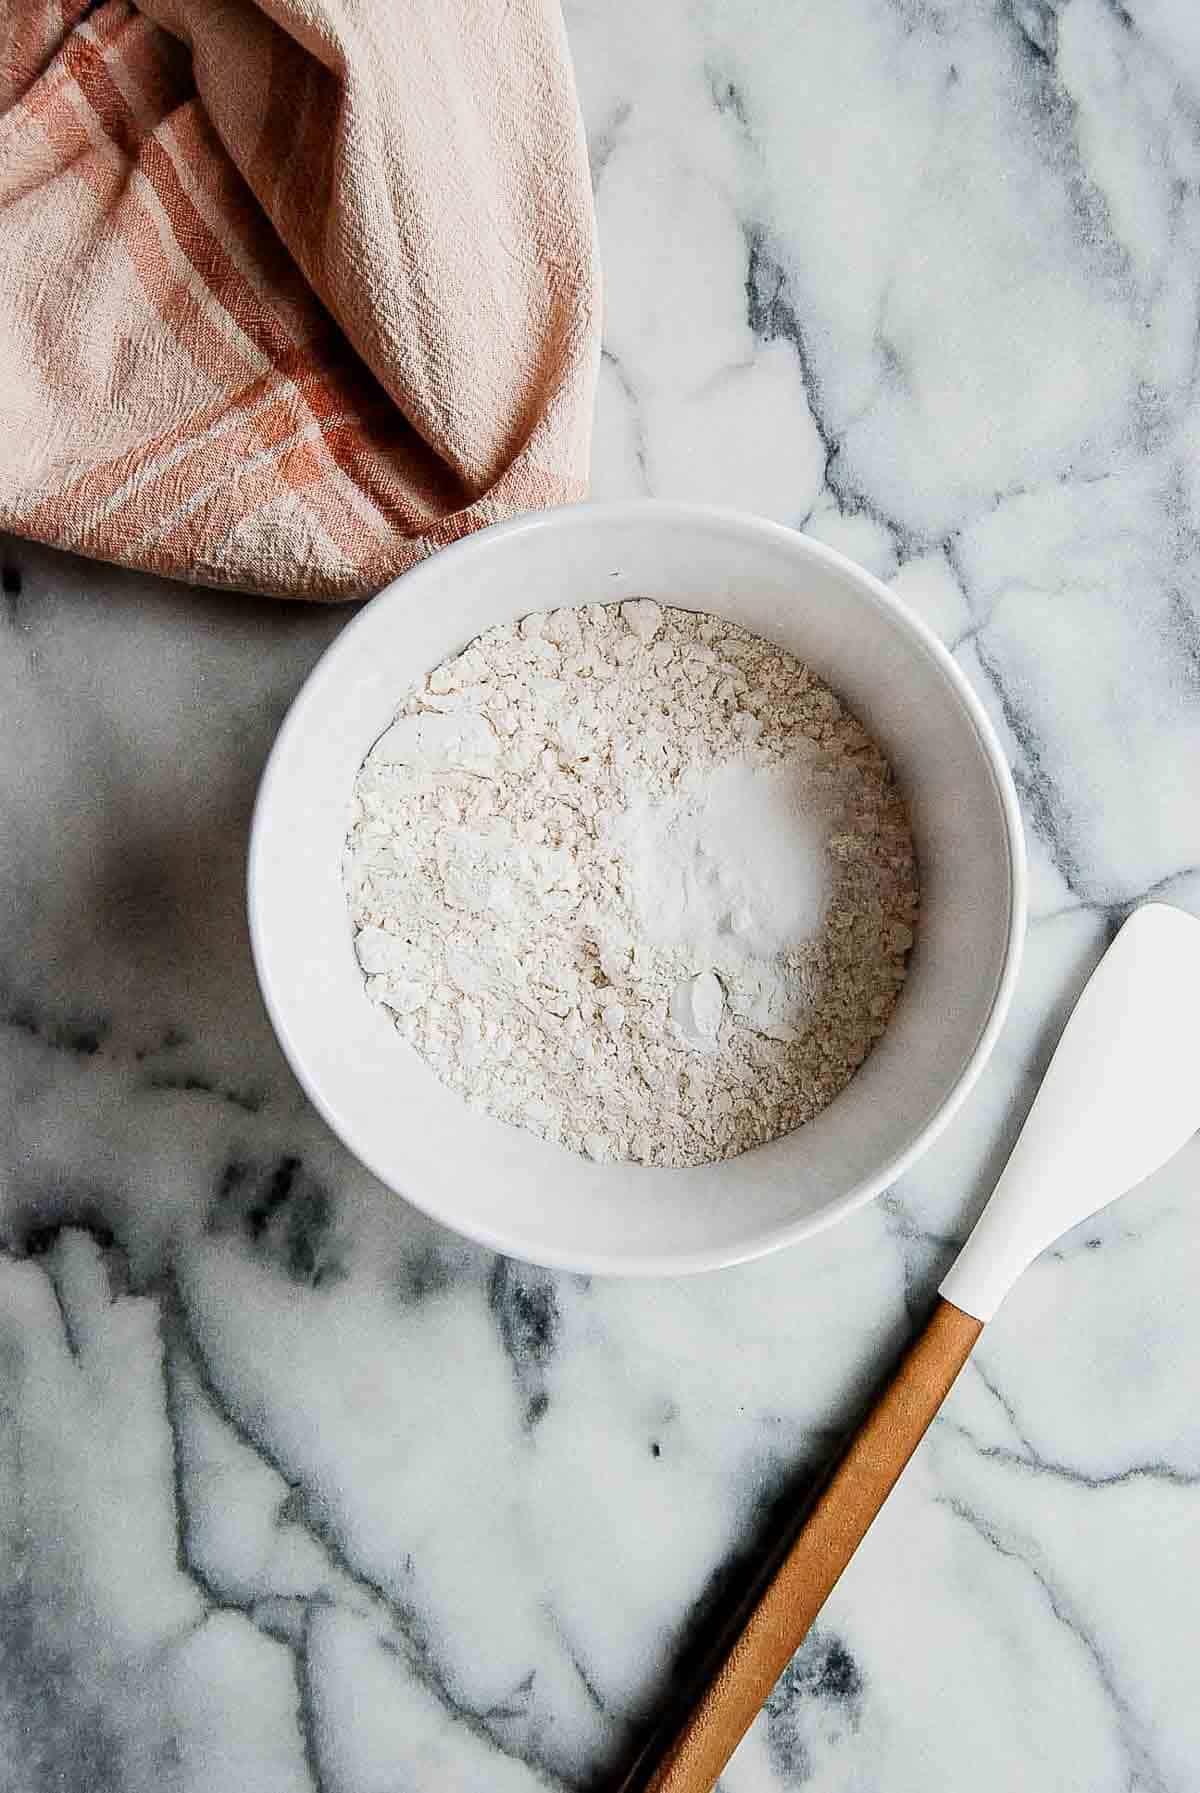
1121,1096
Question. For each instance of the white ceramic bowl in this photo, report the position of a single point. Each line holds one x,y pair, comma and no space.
497,1183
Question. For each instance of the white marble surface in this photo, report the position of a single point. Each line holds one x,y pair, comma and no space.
298,1491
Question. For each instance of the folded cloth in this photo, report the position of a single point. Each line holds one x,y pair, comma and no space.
291,293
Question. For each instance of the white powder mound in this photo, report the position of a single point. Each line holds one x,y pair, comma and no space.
633,878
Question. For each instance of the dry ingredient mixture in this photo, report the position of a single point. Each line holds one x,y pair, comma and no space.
633,878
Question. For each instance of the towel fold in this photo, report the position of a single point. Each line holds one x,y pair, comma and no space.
291,293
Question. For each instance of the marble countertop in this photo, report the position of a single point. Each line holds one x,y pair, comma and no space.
298,1491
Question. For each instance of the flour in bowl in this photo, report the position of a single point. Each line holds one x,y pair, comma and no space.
633,878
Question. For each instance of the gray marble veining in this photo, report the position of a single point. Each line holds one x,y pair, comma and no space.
298,1491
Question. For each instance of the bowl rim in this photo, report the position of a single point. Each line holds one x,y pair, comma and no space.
670,513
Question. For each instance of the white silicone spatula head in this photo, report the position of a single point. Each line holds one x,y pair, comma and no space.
1121,1096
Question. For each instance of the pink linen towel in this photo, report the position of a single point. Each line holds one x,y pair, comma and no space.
292,292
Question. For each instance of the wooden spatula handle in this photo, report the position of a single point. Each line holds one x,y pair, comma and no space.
831,1534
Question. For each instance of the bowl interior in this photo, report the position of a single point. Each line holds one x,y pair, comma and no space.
496,1182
